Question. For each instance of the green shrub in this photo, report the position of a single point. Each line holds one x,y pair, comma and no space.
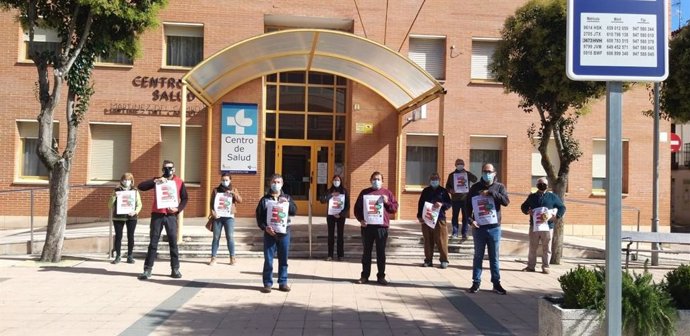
647,308
677,284
581,288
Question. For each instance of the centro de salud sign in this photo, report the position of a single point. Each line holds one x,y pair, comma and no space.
239,138
617,40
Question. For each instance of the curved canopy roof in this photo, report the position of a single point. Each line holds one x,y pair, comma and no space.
393,76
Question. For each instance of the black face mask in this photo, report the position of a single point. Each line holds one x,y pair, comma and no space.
541,186
167,171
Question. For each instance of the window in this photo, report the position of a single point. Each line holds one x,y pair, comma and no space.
109,152
487,149
44,40
170,150
429,53
184,45
599,166
421,159
537,169
482,54
30,166
117,57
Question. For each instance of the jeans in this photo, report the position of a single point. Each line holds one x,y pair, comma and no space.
119,227
158,222
229,224
332,223
459,208
486,236
371,234
281,243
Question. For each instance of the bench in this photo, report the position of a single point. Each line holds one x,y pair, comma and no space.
653,237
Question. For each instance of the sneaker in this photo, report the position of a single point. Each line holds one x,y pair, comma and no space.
498,289
175,274
427,264
116,260
545,270
362,281
130,260
266,289
284,288
329,258
455,236
382,281
145,276
474,288
212,261
444,264
528,269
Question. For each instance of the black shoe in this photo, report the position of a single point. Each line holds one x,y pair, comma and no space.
116,260
284,288
498,289
266,289
474,288
382,281
175,274
362,281
146,275
340,258
130,260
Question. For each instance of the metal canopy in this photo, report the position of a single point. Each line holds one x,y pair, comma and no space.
396,78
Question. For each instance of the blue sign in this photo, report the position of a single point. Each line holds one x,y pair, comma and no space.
239,138
617,40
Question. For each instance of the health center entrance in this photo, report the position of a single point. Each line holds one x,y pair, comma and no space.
306,118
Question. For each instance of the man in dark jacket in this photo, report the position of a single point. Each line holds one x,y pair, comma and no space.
438,235
539,206
458,185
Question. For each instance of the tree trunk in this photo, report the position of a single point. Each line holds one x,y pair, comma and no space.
557,239
57,216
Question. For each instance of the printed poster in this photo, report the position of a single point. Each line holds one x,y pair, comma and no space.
126,202
222,204
166,195
336,204
430,214
460,185
540,218
373,209
484,209
277,215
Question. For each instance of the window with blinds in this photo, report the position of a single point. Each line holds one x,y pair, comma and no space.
429,54
420,159
44,40
170,150
184,44
488,149
599,165
109,153
29,165
482,54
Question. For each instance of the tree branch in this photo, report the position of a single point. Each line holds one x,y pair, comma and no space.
82,41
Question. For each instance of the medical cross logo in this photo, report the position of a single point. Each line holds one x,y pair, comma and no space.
239,119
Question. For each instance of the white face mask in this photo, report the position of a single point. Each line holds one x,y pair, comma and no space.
127,183
226,183
460,167
336,184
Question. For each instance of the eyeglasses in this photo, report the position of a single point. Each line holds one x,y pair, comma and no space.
487,171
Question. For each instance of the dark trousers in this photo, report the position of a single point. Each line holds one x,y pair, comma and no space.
332,222
158,222
459,208
119,227
371,234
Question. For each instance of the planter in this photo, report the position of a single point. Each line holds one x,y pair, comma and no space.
556,321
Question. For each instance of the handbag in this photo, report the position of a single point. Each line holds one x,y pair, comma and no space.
209,223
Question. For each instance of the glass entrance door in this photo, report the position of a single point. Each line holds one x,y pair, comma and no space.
306,169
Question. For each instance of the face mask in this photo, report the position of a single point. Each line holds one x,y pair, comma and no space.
489,177
376,184
434,183
336,184
460,167
127,183
167,171
275,187
541,186
226,183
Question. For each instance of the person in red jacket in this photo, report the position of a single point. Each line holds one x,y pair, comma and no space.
164,217
373,209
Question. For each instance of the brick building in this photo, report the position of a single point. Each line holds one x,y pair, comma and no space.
312,125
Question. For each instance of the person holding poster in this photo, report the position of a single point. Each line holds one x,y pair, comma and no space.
484,209
458,184
125,203
223,200
273,217
373,208
431,213
540,207
169,201
338,201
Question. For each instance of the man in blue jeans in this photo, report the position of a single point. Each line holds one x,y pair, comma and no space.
273,238
458,185
484,203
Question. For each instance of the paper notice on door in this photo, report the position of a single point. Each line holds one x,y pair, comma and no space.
322,173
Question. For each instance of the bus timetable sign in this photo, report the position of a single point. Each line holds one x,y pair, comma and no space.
617,40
